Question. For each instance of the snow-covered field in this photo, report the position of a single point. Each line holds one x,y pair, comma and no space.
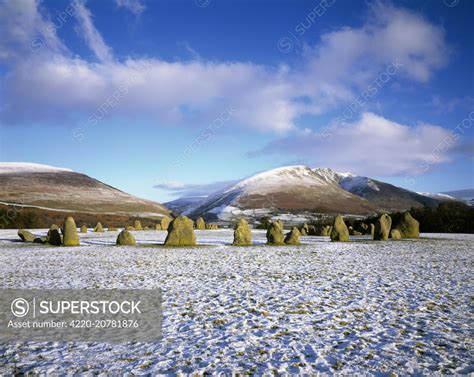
367,307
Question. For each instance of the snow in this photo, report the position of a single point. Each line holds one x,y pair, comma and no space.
287,175
28,167
437,195
362,307
356,183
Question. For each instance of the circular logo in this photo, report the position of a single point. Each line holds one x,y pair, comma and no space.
285,44
202,3
20,307
451,3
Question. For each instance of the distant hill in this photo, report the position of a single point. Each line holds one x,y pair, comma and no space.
51,188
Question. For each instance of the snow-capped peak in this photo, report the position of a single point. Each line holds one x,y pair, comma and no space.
280,176
28,167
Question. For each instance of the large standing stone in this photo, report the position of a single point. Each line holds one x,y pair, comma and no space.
83,229
339,232
408,226
125,238
70,236
395,234
382,227
99,228
165,222
181,232
138,225
275,233
242,234
53,237
26,236
200,224
293,237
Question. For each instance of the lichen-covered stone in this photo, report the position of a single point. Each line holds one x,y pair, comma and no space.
382,228
130,228
157,226
339,232
408,226
125,238
83,229
99,228
145,228
138,225
275,233
165,222
304,229
26,236
181,232
112,229
70,236
372,229
293,237
242,234
213,226
395,234
325,231
200,224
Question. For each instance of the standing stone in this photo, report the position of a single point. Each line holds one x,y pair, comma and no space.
372,229
99,228
408,226
70,236
125,238
26,236
145,228
242,234
53,237
212,226
339,232
395,234
138,225
165,222
157,226
130,228
83,229
325,231
382,228
200,224
304,230
293,237
181,232
275,233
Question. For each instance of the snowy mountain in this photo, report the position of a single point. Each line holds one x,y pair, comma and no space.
292,189
49,187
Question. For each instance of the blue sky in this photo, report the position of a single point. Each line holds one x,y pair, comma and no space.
175,94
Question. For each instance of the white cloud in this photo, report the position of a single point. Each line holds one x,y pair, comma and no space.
370,146
134,6
93,38
193,189
52,84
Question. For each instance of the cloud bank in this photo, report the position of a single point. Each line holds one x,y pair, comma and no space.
369,146
176,92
